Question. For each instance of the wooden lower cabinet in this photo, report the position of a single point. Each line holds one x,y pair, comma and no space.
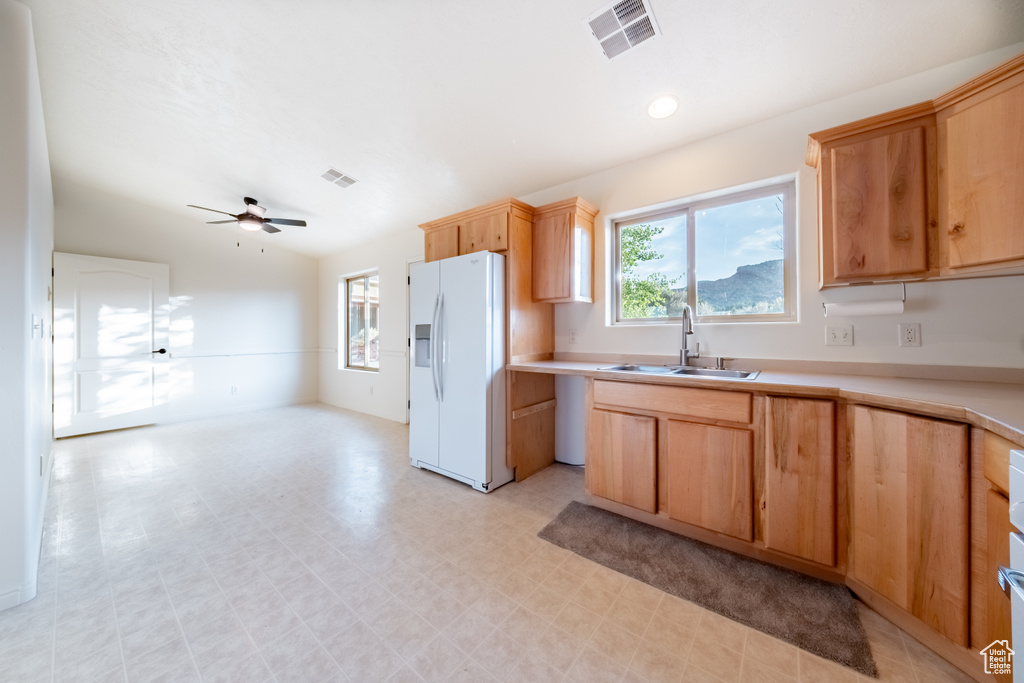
909,515
709,477
621,461
799,515
997,605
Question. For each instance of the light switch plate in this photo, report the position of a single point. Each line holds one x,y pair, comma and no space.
839,335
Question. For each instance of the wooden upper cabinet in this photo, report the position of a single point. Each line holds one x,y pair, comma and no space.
931,190
909,515
441,242
876,183
563,252
485,228
981,130
484,233
622,457
800,478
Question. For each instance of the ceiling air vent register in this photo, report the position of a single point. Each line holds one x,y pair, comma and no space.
333,175
622,26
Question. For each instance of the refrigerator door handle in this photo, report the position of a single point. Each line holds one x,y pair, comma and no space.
434,360
441,358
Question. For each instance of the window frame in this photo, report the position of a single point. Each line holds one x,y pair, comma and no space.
346,284
690,207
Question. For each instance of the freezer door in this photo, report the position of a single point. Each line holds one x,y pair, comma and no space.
466,375
424,300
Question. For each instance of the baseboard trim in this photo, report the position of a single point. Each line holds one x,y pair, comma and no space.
10,599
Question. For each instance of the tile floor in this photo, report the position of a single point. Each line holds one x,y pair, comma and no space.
297,544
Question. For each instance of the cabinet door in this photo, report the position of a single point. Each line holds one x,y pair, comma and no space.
553,256
997,605
909,508
487,233
563,254
709,476
879,205
800,494
621,458
441,243
983,182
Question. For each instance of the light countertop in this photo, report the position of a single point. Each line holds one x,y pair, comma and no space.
994,406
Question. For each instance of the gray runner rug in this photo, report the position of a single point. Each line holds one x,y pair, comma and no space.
812,614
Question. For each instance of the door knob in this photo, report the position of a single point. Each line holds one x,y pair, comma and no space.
159,351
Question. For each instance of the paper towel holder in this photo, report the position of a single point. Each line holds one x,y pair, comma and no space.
903,297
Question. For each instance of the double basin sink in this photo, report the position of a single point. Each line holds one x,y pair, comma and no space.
684,370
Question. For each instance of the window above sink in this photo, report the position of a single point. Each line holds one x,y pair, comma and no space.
731,258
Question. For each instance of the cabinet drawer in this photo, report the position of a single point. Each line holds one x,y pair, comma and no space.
997,460
710,404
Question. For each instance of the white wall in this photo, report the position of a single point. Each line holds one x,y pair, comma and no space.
243,312
380,393
968,322
26,241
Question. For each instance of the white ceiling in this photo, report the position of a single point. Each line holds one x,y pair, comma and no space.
439,106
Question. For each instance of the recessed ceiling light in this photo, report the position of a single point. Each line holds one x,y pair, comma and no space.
663,107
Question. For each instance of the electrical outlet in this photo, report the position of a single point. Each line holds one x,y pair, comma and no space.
234,389
839,335
573,335
910,334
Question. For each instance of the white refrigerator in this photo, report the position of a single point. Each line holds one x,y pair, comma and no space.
457,373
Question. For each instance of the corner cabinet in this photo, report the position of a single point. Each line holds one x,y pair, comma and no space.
563,252
928,191
910,520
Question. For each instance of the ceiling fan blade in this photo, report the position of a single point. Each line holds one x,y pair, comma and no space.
214,210
285,221
219,222
270,228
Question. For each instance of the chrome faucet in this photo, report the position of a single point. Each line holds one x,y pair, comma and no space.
685,354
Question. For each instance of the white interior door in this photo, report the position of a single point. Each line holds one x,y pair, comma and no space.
110,323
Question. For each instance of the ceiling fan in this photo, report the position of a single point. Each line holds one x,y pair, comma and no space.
252,218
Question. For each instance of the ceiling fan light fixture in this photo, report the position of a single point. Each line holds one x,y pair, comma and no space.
663,107
251,223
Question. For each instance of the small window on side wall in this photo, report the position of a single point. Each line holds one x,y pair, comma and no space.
363,322
730,259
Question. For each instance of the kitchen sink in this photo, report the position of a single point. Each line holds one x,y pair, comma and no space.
683,370
646,369
713,372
